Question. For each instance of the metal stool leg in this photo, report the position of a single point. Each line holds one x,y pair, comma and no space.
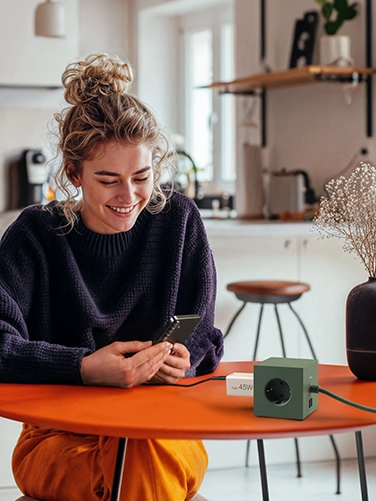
338,464
247,454
234,318
304,330
254,358
338,459
280,330
119,467
262,466
258,331
298,463
361,465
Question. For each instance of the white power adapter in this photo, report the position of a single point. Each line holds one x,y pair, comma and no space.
239,384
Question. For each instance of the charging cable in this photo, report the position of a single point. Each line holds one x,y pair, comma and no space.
318,389
189,385
237,383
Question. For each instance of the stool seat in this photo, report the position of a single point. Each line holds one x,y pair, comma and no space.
268,291
273,287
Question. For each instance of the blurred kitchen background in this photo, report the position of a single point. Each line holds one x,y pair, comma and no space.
176,47
309,134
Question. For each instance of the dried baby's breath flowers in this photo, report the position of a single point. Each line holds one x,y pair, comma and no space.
349,213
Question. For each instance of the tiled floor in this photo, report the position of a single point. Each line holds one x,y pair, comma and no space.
243,484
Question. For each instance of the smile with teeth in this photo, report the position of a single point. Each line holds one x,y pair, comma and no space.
122,210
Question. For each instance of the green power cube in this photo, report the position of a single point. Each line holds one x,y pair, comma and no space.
282,388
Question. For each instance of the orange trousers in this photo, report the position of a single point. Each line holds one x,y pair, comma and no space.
53,465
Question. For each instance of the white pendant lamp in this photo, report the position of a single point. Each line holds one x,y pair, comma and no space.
50,19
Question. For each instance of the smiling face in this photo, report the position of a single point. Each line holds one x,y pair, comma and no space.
116,186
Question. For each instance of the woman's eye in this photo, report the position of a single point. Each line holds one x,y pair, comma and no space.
107,183
141,180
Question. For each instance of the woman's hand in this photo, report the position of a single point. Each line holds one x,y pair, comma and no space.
110,366
174,367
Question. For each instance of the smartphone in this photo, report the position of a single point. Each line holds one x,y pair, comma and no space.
178,328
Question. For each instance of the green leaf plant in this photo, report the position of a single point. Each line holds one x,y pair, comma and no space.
345,12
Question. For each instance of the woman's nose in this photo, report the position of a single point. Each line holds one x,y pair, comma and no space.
126,193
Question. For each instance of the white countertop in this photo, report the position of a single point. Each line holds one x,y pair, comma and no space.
238,227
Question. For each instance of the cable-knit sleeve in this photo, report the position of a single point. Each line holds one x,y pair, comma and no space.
25,358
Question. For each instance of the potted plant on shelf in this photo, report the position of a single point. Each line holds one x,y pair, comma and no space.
349,213
335,49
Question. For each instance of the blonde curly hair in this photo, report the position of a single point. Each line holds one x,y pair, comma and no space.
101,110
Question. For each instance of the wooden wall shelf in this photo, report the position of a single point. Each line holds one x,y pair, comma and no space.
293,76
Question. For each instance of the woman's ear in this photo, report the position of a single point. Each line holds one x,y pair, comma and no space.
72,175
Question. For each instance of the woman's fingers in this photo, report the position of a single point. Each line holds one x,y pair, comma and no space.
175,365
146,363
111,365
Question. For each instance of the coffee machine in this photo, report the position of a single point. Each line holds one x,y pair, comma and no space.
29,174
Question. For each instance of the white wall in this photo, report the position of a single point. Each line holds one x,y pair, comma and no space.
103,27
25,112
34,60
157,73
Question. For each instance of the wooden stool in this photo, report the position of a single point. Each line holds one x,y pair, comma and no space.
275,292
269,292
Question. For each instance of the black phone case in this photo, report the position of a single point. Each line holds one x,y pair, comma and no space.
179,328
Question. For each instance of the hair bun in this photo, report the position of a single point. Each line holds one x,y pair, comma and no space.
97,75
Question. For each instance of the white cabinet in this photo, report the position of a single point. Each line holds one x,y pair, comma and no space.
331,273
248,254
245,257
28,60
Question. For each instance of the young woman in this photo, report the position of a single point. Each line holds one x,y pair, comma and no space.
87,283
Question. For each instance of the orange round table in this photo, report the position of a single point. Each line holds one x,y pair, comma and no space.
198,412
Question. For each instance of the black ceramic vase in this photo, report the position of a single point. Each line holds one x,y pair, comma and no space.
361,330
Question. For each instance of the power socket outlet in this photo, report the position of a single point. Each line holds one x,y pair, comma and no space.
282,388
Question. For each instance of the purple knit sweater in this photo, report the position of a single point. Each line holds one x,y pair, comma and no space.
63,296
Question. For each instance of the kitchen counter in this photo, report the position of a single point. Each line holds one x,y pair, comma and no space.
223,227
257,228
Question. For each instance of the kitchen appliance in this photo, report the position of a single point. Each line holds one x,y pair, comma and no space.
28,174
289,191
